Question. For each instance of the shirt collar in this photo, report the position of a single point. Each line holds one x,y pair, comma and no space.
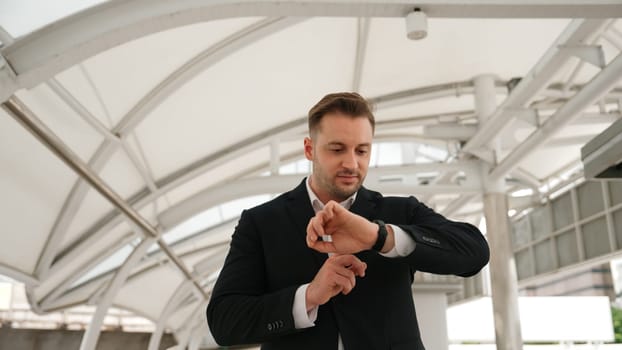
317,204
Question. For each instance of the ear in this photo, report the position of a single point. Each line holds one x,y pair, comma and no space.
308,148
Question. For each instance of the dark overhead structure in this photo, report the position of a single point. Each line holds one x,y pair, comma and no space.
602,156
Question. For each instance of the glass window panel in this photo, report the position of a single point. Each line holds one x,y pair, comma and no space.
110,263
541,222
562,211
567,250
596,238
234,208
432,153
617,227
615,191
524,264
544,258
300,166
521,234
590,199
193,225
389,153
288,169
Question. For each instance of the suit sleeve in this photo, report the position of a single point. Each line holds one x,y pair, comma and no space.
241,310
444,246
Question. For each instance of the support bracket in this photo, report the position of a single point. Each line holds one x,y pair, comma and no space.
592,54
528,115
8,79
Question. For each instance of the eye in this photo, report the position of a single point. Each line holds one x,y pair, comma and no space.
362,152
336,150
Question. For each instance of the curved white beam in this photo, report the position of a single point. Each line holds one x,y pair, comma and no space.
62,298
153,98
17,275
208,266
70,209
198,64
156,337
91,335
57,284
31,123
187,173
54,48
54,292
277,184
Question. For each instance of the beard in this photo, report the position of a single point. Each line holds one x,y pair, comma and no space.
329,183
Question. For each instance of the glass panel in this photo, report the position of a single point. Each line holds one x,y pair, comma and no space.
389,153
541,222
615,190
567,250
524,264
544,258
562,211
235,207
520,232
191,226
596,238
110,263
590,199
617,227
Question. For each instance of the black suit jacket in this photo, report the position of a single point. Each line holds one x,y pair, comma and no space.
269,259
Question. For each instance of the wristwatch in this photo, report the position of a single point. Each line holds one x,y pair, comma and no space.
382,235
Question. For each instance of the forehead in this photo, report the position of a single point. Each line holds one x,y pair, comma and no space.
342,128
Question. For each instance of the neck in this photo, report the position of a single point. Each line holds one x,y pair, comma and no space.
323,197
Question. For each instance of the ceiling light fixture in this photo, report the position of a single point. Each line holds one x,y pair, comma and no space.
416,25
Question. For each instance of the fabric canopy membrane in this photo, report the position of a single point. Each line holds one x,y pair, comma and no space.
191,111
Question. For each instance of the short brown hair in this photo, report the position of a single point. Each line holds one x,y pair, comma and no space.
348,103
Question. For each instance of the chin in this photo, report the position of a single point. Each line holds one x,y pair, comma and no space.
346,192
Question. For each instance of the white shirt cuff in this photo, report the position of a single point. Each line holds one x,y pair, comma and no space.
302,318
404,244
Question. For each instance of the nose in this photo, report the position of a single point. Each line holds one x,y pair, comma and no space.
350,161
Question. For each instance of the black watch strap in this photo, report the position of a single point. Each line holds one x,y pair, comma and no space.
382,235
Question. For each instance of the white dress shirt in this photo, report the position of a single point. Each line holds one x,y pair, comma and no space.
404,245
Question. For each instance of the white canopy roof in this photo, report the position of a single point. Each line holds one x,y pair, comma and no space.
191,111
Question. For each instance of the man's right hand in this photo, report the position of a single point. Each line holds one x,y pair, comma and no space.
337,275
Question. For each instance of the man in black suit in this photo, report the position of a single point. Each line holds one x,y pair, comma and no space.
280,288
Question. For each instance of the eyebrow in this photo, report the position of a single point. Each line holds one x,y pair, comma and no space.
336,143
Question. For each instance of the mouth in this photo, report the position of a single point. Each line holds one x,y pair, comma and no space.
348,177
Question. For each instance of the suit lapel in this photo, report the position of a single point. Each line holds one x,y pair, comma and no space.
365,204
301,211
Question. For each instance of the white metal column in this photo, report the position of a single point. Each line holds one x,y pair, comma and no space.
504,283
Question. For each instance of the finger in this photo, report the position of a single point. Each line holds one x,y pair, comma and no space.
312,237
318,224
347,273
352,263
344,282
329,210
313,234
359,269
322,247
